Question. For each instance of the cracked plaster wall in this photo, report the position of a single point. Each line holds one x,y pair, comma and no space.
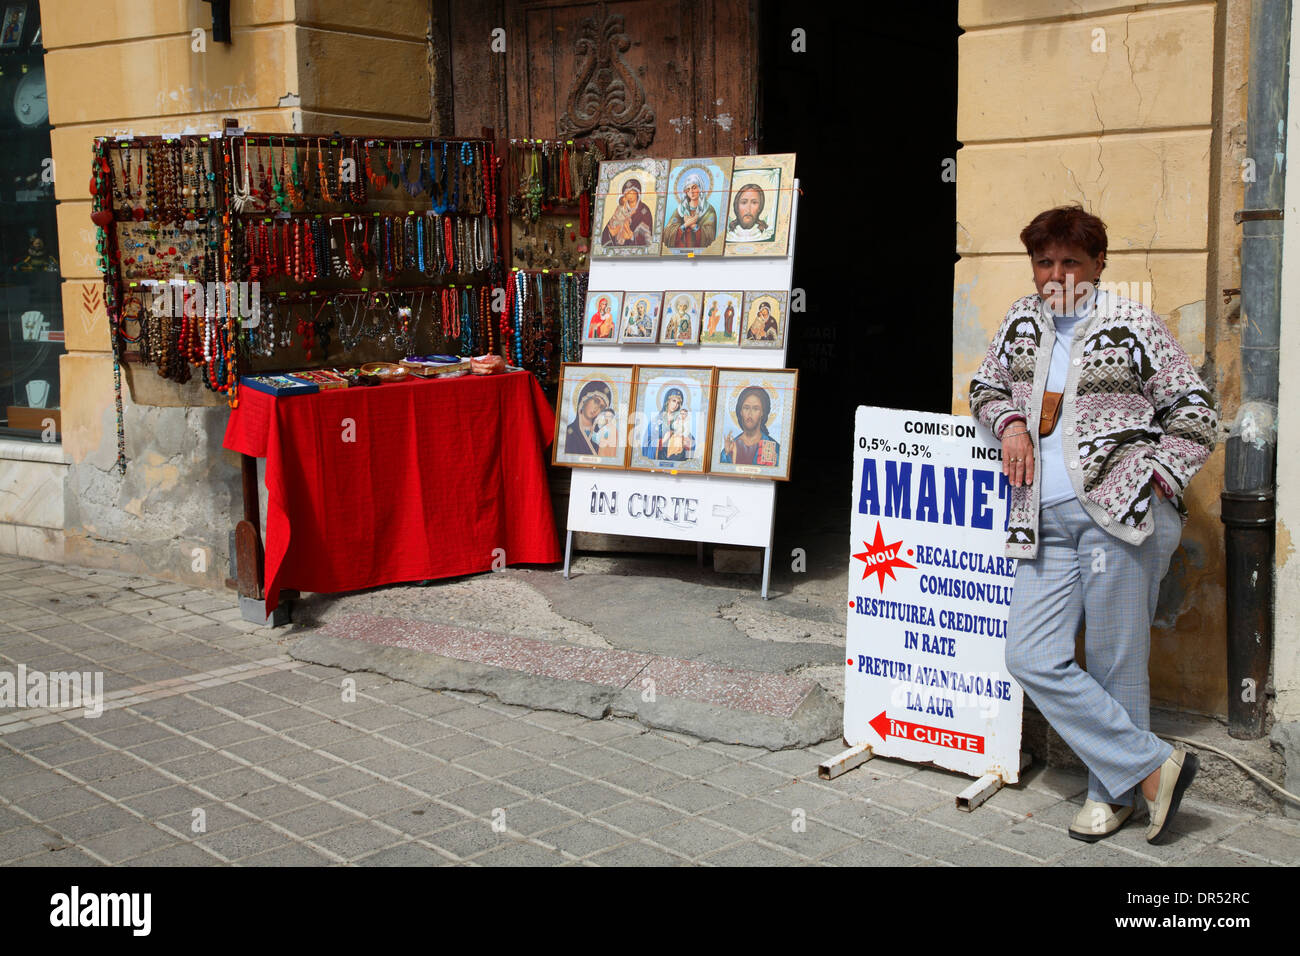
1138,114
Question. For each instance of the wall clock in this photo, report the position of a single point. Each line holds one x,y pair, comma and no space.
30,104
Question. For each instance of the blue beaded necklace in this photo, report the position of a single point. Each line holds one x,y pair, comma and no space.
522,287
465,159
440,190
466,323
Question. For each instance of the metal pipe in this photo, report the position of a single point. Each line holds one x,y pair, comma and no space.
1248,501
1248,519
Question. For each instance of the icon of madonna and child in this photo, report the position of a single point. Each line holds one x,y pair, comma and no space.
593,432
672,420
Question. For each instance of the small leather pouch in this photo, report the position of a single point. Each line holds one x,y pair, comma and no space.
1051,412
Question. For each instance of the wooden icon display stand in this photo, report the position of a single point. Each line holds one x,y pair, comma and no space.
719,509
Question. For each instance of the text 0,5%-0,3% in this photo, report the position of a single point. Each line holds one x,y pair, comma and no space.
902,449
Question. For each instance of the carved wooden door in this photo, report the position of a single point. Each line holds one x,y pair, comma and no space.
649,78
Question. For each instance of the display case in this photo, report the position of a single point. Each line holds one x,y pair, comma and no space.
30,299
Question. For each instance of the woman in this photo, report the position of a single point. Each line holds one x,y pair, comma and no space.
1096,509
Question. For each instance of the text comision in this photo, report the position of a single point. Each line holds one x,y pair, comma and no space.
929,591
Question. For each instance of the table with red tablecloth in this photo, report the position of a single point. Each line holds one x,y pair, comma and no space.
406,481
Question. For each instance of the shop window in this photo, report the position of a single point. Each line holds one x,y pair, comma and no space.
31,307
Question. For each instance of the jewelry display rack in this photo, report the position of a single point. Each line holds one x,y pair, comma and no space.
199,189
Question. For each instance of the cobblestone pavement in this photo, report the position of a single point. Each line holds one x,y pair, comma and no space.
214,747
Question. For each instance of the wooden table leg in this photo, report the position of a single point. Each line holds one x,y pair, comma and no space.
249,555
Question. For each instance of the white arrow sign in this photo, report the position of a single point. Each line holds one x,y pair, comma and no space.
726,512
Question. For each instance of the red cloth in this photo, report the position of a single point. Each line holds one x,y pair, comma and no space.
438,474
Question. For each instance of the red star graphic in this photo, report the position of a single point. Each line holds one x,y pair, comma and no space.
886,556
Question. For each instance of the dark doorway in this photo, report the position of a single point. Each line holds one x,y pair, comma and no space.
871,108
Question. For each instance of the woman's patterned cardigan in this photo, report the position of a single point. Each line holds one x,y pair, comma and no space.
1133,406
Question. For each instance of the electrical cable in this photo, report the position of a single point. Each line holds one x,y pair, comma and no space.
1215,750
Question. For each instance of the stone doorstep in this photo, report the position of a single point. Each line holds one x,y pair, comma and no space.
708,701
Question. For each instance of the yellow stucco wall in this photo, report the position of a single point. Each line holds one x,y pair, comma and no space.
116,66
1138,115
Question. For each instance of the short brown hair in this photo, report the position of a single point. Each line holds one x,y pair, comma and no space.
1067,225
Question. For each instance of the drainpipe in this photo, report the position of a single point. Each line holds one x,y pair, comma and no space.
1248,501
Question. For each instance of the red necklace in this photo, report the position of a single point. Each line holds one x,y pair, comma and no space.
309,252
307,329
489,178
505,313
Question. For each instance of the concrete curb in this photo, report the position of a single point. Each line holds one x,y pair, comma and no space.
817,718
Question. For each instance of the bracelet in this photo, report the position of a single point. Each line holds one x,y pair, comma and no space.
1005,435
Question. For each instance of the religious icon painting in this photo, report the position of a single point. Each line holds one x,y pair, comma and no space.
754,422
600,319
720,322
591,415
640,325
763,324
629,208
695,206
11,33
681,318
758,213
672,408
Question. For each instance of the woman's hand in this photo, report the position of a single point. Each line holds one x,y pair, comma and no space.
1017,454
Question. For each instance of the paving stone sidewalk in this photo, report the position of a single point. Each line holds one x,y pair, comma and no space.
214,747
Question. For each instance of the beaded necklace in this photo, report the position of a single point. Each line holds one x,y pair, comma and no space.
264,190
399,245
414,186
278,195
239,185
485,319
490,168
504,322
466,322
466,157
322,177
535,189
437,187
419,246
358,189
476,185
521,294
